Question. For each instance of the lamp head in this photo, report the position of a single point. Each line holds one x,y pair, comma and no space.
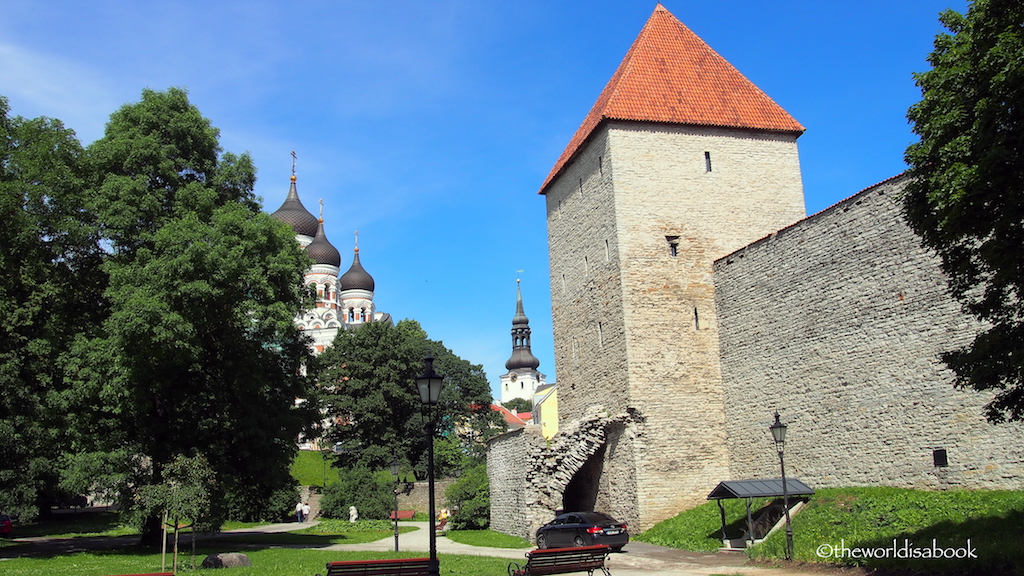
778,432
429,384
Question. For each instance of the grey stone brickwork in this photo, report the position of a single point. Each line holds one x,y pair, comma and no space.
634,224
837,321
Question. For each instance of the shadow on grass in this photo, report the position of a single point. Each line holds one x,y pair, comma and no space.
213,543
978,545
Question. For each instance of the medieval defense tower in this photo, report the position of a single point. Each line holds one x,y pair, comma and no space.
681,161
691,297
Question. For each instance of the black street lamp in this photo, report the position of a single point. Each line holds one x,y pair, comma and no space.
394,472
779,435
429,386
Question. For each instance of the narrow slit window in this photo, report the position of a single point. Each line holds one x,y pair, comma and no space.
607,251
581,187
600,164
586,266
707,161
696,319
600,335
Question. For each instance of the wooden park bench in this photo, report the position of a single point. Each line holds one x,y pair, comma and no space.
563,561
402,514
398,567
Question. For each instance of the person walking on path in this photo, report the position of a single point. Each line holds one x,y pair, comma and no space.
298,511
305,511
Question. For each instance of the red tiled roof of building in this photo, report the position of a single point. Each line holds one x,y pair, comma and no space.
511,418
670,75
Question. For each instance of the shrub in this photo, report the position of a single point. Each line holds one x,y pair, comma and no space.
470,496
371,495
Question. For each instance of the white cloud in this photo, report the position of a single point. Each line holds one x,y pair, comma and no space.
42,85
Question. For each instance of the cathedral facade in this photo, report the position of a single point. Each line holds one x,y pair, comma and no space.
341,302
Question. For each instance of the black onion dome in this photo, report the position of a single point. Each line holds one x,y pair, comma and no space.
356,278
294,214
522,358
320,250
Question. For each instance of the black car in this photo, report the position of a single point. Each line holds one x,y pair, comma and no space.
575,529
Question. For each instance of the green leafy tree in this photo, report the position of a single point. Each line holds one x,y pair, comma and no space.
519,405
470,498
199,353
372,495
49,292
184,498
966,197
367,383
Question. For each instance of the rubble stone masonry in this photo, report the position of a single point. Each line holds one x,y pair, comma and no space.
837,322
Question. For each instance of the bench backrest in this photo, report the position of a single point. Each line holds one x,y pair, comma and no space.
397,567
562,560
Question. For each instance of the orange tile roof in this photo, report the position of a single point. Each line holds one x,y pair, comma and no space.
670,75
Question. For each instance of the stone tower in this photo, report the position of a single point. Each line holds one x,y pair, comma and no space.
522,378
681,161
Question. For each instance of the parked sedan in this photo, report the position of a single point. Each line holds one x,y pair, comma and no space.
5,526
576,529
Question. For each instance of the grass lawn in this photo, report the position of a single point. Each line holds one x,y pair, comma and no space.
869,520
488,538
308,468
265,562
73,524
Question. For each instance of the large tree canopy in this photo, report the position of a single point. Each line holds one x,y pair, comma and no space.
143,291
367,381
199,353
966,197
49,292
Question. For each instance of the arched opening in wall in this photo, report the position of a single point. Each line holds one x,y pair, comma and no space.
580,494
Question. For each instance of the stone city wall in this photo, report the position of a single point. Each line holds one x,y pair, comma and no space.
837,322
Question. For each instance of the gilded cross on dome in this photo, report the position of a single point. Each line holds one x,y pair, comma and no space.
294,158
321,209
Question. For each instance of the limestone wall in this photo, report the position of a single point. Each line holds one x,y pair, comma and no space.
508,461
837,322
634,225
664,193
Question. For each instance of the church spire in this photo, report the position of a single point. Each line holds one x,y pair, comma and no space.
522,356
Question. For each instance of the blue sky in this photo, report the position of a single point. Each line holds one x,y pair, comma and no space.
429,125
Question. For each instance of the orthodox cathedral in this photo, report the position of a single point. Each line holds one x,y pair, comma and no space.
344,302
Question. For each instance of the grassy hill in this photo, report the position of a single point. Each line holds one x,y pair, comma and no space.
875,527
308,468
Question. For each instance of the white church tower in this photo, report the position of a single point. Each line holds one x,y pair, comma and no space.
522,378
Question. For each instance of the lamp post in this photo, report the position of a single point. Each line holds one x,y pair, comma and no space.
779,435
429,386
394,472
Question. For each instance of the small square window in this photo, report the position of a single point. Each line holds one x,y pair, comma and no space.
940,458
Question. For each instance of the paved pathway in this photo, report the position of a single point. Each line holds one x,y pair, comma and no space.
636,559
